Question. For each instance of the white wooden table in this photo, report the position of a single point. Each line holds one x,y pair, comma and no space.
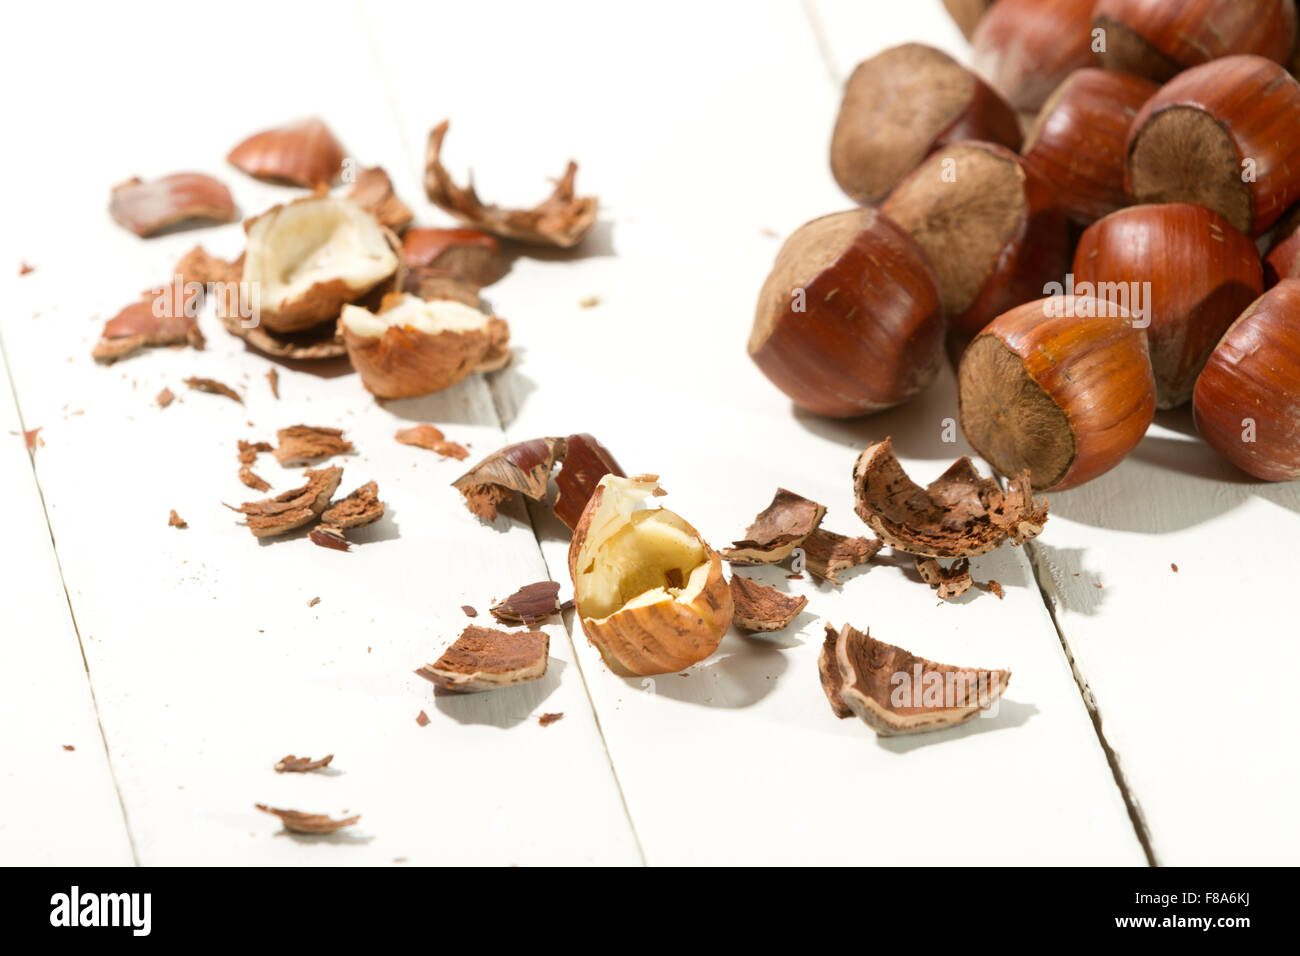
1147,718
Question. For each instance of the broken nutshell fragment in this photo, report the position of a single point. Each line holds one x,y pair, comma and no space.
176,521
524,467
530,604
304,153
472,256
373,192
547,719
586,462
252,480
148,208
357,510
649,590
432,439
301,445
415,346
894,692
959,514
151,322
273,379
562,219
203,268
329,538
777,530
485,659
292,509
213,387
310,257
300,822
292,764
951,582
826,553
763,608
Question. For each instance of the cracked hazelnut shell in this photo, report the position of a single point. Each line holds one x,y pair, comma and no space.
304,154
1205,130
1247,399
849,321
1202,274
648,589
903,104
1058,388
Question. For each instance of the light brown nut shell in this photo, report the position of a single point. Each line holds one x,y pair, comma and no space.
859,675
960,514
305,154
149,208
658,638
483,659
763,608
405,362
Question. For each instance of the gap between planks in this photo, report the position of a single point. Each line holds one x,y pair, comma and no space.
499,406
1136,818
67,600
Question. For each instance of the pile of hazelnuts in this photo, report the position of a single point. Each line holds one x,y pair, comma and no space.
1102,218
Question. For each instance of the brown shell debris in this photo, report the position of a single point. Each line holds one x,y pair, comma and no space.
431,438
895,692
762,608
373,191
148,208
777,530
292,509
826,553
300,822
586,462
951,582
301,445
150,322
524,467
292,764
959,514
530,605
562,219
486,659
304,154
213,387
357,510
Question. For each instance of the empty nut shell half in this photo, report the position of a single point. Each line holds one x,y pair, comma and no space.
305,154
149,208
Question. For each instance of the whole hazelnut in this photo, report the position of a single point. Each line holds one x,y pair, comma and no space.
1025,48
1247,399
1225,135
1179,267
849,322
903,104
1061,387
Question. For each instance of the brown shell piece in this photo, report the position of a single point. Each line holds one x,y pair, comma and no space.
524,467
300,822
292,764
895,692
777,530
213,387
198,265
373,192
431,438
959,514
826,553
485,659
319,342
467,254
951,582
148,208
530,604
586,462
763,608
147,323
357,510
292,509
331,538
305,154
301,445
562,219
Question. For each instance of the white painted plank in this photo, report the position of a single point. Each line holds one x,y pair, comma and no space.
1169,658
60,805
1188,668
697,140
208,662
